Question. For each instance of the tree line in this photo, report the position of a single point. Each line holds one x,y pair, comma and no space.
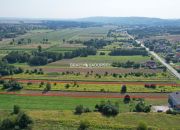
6,69
128,52
39,57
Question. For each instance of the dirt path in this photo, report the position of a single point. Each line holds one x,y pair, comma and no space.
95,82
87,94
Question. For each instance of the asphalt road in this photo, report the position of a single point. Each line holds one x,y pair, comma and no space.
170,68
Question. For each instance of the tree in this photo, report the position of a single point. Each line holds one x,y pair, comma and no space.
23,120
142,107
168,59
48,87
79,109
37,61
123,89
7,124
142,126
64,40
107,108
16,109
84,125
127,99
67,86
39,48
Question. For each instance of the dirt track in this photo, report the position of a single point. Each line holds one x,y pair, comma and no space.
97,82
88,94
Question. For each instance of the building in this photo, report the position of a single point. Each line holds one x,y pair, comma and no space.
174,100
151,64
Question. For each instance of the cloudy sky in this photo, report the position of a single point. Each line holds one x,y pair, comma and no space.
86,8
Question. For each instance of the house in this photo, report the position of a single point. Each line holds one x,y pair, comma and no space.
178,49
169,49
151,64
174,100
177,56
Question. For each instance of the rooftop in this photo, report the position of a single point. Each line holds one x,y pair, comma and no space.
176,97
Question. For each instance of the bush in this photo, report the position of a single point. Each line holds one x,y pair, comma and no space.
48,87
16,109
102,53
87,110
67,86
142,126
127,99
84,125
23,120
79,109
172,112
123,89
142,107
107,108
7,124
12,85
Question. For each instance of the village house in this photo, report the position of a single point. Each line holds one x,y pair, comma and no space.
174,100
151,64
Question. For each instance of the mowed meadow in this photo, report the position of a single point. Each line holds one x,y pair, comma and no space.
58,113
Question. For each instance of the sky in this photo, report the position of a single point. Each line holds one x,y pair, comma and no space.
69,9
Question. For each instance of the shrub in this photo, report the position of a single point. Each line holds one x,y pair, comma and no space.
84,125
48,86
23,120
142,107
12,85
123,89
87,110
172,112
29,83
107,108
79,109
67,86
102,53
142,126
16,109
7,124
127,99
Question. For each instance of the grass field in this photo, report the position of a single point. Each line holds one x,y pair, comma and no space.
62,103
73,77
57,113
103,87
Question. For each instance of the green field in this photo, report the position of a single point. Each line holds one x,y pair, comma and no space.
57,113
103,87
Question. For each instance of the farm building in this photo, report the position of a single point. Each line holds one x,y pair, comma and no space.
151,64
174,100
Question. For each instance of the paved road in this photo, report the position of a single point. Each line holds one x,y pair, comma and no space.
170,68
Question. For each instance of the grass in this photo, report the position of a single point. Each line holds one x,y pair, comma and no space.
104,87
57,113
108,59
97,121
72,77
65,120
51,103
61,103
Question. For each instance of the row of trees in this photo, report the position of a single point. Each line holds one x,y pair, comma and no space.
128,64
11,85
6,69
82,52
128,52
37,58
97,43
